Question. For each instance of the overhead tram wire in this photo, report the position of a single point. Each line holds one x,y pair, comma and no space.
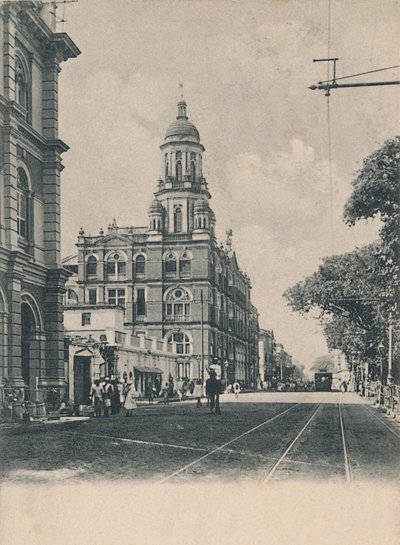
329,135
327,86
360,74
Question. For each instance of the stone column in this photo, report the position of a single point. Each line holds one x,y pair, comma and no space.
53,312
14,328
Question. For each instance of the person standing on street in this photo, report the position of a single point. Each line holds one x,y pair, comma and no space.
165,393
198,392
130,399
149,392
214,388
97,397
236,389
107,396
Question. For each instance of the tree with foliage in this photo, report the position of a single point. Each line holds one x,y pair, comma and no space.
376,193
345,294
352,294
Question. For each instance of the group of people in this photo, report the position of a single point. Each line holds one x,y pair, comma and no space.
109,396
106,397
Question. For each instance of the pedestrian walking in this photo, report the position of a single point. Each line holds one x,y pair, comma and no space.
236,389
130,399
214,389
115,400
198,392
165,393
107,396
149,392
97,397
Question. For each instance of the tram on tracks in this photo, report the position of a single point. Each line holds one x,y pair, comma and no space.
323,382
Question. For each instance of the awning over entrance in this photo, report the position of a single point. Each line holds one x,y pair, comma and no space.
154,370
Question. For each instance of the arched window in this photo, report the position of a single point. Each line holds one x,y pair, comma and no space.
184,264
178,220
115,267
193,171
178,165
22,204
91,267
140,265
170,264
179,171
177,305
22,86
182,343
166,165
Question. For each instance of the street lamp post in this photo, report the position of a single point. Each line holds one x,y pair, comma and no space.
202,335
390,351
381,348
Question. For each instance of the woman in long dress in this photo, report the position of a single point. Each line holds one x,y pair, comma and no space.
130,399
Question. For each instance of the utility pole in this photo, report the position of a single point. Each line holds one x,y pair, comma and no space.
202,335
330,84
390,351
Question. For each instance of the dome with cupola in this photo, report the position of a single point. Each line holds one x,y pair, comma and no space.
182,128
156,207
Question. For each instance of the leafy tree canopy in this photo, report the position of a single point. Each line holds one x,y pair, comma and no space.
377,190
348,294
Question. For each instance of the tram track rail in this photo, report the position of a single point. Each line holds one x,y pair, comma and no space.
271,471
223,446
347,462
372,413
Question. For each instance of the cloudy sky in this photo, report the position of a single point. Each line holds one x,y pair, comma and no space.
246,67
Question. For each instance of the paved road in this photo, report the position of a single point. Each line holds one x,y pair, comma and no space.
262,437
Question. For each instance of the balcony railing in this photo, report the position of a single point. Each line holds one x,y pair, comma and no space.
179,318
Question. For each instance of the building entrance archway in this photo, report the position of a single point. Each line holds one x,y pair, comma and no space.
28,330
32,340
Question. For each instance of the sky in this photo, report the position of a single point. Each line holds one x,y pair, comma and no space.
246,67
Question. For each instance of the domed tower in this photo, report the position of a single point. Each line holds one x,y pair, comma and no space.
182,182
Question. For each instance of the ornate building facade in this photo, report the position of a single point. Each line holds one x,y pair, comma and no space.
32,278
172,278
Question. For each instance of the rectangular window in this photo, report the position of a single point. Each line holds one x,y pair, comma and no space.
140,302
112,297
187,310
184,266
170,266
21,213
121,298
178,310
169,309
110,268
121,268
85,318
92,297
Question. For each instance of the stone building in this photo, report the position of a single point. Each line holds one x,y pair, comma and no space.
172,278
32,278
266,349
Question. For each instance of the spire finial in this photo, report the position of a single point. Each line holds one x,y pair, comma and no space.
182,105
181,88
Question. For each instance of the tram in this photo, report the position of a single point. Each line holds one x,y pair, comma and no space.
323,382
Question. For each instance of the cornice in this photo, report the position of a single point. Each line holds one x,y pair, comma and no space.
58,45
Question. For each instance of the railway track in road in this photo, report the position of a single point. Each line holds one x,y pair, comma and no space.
230,442
347,462
293,444
272,469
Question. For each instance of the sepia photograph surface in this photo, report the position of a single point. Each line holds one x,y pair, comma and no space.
199,272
